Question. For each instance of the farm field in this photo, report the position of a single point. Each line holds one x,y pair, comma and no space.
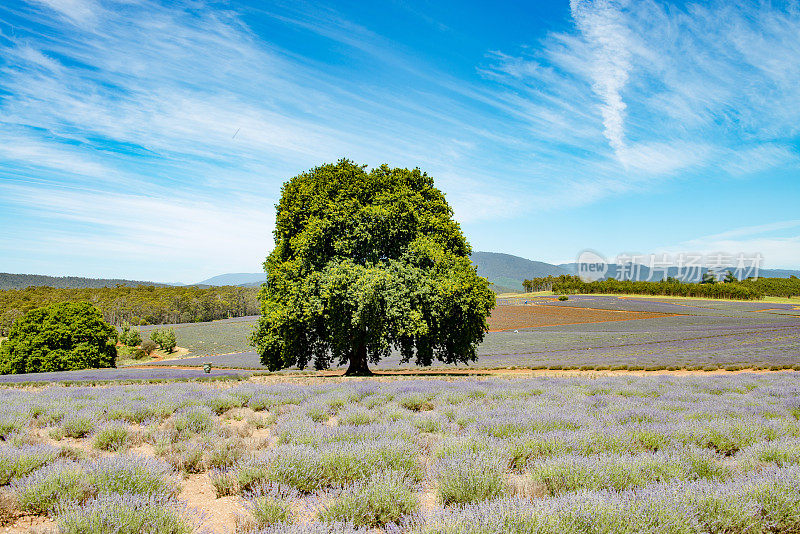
618,454
662,333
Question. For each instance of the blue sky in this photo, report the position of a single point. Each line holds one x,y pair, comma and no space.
625,127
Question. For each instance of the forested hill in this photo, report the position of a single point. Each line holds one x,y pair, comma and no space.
506,272
21,281
137,305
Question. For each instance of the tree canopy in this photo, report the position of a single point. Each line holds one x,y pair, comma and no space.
59,337
365,261
137,305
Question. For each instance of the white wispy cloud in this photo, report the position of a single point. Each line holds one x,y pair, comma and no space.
711,87
211,237
138,102
603,26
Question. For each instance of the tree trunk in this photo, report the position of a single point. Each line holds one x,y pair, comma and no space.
358,362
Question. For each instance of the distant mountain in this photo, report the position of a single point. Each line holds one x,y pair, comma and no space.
506,272
21,281
235,279
643,273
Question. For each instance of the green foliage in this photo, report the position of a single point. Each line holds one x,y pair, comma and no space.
53,486
168,341
364,261
708,278
470,478
131,337
15,464
111,438
123,515
382,500
268,511
148,346
224,482
132,475
137,305
155,336
77,427
745,290
60,337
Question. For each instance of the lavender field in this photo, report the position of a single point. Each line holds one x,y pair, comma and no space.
698,334
610,454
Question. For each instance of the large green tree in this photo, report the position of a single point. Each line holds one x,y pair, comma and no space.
59,337
365,261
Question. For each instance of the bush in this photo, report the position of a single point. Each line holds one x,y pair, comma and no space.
137,475
168,340
224,482
384,499
52,486
112,437
18,462
134,338
268,511
563,297
148,346
123,514
570,473
77,427
59,337
470,478
155,336
192,422
416,403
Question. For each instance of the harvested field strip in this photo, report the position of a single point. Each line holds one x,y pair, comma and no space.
515,317
658,342
672,303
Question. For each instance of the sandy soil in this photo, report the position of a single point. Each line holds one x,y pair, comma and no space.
216,514
28,523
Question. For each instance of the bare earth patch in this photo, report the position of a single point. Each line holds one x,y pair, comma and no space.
515,317
218,514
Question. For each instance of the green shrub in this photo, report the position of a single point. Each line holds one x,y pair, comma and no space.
226,453
77,427
133,338
384,499
356,416
527,448
168,341
416,403
221,404
191,423
52,486
111,438
18,462
470,478
563,297
611,472
317,413
251,474
59,337
148,346
268,511
428,424
136,475
224,482
123,514
782,453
